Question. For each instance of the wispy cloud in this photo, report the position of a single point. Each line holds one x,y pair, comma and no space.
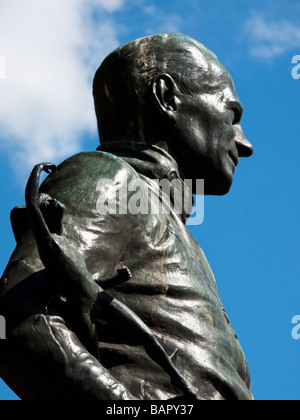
270,39
109,5
159,21
51,50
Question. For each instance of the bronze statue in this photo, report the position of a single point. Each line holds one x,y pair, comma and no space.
166,109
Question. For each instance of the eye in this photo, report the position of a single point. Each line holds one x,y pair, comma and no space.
236,110
236,115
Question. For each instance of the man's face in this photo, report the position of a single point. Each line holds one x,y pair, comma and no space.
210,135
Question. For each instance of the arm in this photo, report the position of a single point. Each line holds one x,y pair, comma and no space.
63,262
121,316
43,357
50,339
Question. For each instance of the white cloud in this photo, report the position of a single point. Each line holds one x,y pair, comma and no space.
271,39
51,50
109,5
160,21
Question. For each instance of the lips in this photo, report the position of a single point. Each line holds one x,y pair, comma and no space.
234,158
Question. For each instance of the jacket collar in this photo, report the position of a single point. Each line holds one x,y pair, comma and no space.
150,161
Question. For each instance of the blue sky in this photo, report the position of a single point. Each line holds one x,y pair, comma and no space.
251,236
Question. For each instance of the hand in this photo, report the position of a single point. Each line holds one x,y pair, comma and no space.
124,274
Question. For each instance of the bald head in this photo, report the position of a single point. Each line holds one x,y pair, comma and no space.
123,85
170,91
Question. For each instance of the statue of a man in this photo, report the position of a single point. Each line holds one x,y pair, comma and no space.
167,110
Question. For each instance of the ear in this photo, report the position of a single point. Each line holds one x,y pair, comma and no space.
166,93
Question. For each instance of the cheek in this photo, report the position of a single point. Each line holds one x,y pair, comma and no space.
218,145
206,132
224,136
193,133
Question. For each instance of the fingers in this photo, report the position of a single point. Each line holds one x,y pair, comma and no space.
125,273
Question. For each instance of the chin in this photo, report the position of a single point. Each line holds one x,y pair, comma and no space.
218,185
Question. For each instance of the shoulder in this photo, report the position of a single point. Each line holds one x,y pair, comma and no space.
83,174
96,188
92,165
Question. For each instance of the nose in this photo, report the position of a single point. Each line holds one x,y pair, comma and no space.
244,147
